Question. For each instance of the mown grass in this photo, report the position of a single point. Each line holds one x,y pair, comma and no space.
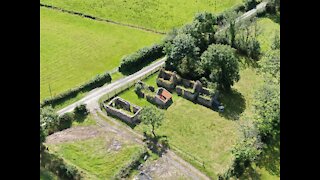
161,15
73,49
87,121
94,157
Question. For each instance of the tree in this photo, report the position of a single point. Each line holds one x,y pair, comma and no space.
221,64
248,149
246,39
182,49
65,121
49,119
150,115
250,4
81,110
43,135
267,110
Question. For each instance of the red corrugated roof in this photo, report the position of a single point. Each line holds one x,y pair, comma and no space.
166,94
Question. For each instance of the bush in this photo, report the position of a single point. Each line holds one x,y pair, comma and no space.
81,110
97,81
58,166
250,4
65,121
249,47
136,61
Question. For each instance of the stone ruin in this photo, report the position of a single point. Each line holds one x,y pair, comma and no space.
189,89
117,107
162,98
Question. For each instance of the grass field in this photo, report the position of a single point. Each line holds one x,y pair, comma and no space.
88,121
73,49
96,157
161,15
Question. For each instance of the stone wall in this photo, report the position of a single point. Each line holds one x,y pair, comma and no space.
166,84
117,101
205,102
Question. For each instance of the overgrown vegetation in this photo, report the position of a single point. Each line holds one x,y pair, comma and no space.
150,115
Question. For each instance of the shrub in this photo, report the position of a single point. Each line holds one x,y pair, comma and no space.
97,81
249,46
136,61
65,121
250,4
81,110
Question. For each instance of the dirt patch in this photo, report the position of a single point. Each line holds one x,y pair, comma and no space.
115,145
165,168
74,134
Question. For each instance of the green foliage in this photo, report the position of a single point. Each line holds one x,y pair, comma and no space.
270,65
136,61
137,87
43,135
182,54
97,81
59,166
49,119
276,41
267,110
250,4
150,115
81,110
246,39
65,120
221,64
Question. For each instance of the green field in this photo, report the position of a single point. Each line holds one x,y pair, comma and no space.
73,49
161,15
94,156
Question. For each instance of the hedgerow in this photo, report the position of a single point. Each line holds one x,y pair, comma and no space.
97,81
137,60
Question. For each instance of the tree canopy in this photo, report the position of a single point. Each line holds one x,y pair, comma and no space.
221,64
150,115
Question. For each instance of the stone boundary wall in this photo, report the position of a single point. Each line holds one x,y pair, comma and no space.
117,101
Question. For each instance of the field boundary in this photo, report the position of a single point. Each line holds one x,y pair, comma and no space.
100,19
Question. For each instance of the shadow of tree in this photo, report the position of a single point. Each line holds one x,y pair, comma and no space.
158,145
234,104
80,118
270,159
250,173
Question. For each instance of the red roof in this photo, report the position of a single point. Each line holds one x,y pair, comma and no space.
166,94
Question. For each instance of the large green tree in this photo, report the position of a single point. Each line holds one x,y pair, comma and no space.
220,63
150,115
182,54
